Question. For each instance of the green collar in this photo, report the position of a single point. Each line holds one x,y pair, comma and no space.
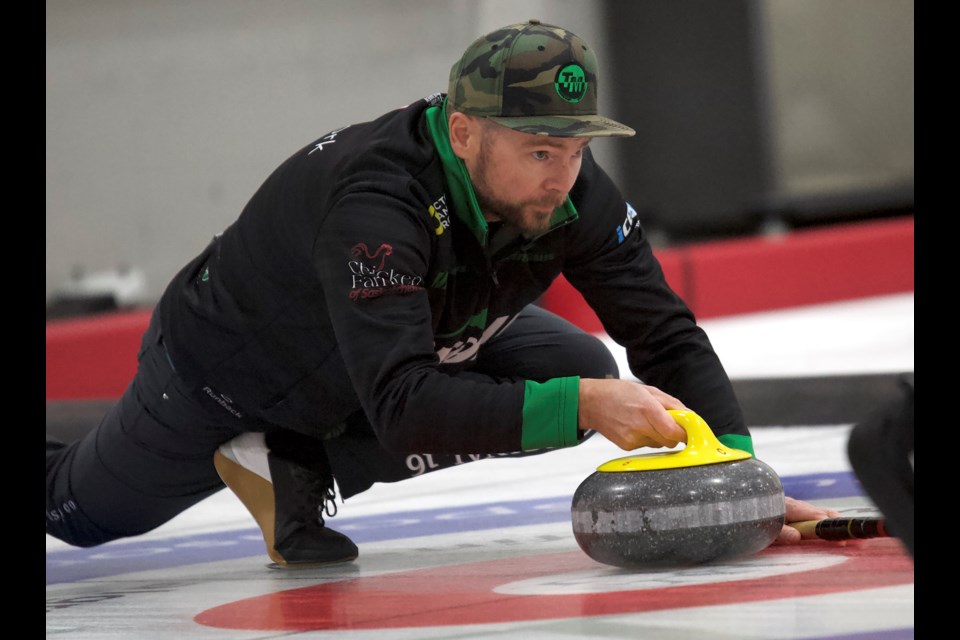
463,200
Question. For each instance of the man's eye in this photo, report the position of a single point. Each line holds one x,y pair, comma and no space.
541,155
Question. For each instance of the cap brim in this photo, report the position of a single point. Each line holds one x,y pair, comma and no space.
567,126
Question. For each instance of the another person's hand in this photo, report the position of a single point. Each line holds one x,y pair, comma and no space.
629,414
800,511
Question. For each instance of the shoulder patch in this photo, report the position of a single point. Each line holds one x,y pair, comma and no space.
370,277
630,223
440,214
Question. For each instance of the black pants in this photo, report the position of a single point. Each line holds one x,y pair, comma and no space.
151,457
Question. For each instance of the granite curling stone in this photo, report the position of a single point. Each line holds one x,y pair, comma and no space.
704,503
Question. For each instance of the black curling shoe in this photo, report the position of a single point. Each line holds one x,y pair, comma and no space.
285,482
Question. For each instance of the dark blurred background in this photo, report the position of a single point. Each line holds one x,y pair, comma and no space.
763,116
752,116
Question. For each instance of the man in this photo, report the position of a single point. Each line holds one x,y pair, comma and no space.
370,316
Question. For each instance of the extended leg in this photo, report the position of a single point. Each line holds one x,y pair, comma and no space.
148,460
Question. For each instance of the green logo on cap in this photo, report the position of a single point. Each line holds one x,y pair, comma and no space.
571,83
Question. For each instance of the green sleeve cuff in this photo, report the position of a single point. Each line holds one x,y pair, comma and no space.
550,413
736,441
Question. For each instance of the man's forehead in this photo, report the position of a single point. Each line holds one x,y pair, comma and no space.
531,140
525,140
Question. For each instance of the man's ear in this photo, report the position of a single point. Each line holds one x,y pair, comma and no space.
464,135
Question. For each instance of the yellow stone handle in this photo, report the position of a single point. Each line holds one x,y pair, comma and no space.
702,448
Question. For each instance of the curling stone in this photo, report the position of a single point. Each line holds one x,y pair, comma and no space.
703,503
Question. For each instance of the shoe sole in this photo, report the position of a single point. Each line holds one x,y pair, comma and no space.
294,566
256,494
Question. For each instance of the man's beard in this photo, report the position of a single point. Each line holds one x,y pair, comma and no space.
529,216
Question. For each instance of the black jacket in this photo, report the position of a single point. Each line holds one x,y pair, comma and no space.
361,275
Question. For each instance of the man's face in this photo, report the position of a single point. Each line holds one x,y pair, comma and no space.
520,178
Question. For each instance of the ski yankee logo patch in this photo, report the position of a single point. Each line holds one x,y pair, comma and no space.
370,277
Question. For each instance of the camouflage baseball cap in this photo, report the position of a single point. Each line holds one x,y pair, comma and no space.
532,77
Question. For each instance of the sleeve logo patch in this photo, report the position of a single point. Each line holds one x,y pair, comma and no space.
630,223
370,277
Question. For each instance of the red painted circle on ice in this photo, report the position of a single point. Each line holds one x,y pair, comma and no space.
465,593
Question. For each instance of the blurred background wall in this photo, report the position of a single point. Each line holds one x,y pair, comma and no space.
164,116
764,115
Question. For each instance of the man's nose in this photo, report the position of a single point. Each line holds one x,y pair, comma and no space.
563,177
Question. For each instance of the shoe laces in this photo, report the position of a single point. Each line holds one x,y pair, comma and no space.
319,489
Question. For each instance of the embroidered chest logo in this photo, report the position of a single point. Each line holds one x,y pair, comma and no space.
440,214
369,277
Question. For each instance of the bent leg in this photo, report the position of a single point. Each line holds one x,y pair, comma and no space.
537,345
